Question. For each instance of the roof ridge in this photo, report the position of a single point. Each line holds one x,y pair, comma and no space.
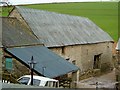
49,11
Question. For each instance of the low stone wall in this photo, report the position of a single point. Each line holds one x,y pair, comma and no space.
90,73
118,73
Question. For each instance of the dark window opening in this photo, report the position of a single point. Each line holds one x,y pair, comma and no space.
63,50
24,80
36,82
74,62
68,59
97,61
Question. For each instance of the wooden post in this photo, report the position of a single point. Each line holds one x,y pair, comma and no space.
32,64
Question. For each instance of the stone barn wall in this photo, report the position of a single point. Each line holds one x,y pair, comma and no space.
118,56
18,69
1,55
118,69
83,55
15,14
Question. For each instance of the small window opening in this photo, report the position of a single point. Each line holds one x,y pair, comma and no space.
8,63
68,59
63,50
74,62
97,61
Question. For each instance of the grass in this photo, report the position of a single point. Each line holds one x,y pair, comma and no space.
5,11
104,14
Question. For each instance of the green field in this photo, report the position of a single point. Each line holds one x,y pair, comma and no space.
104,14
5,11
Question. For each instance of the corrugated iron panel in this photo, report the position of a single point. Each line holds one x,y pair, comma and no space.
15,34
55,29
54,65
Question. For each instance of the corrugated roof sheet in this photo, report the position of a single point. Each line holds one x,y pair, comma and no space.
15,34
55,29
54,65
118,45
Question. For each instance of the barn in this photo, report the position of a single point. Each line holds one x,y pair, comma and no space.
76,39
19,45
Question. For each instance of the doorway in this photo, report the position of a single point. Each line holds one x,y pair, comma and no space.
96,61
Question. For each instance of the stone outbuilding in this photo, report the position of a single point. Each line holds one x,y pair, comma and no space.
19,44
14,34
76,39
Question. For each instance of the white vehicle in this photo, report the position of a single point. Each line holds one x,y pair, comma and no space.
39,81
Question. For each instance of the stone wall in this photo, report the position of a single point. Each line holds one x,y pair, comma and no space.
18,69
83,55
89,51
117,66
15,14
118,56
1,55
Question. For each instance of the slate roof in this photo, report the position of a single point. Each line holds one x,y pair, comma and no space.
52,64
54,29
15,34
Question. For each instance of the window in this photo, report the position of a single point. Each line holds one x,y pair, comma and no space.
52,84
24,80
36,82
63,50
46,83
68,59
74,62
49,84
8,63
96,61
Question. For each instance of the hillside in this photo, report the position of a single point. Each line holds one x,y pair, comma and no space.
104,14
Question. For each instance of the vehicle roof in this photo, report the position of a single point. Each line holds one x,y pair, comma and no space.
40,78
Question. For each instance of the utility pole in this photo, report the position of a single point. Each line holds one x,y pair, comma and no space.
32,65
